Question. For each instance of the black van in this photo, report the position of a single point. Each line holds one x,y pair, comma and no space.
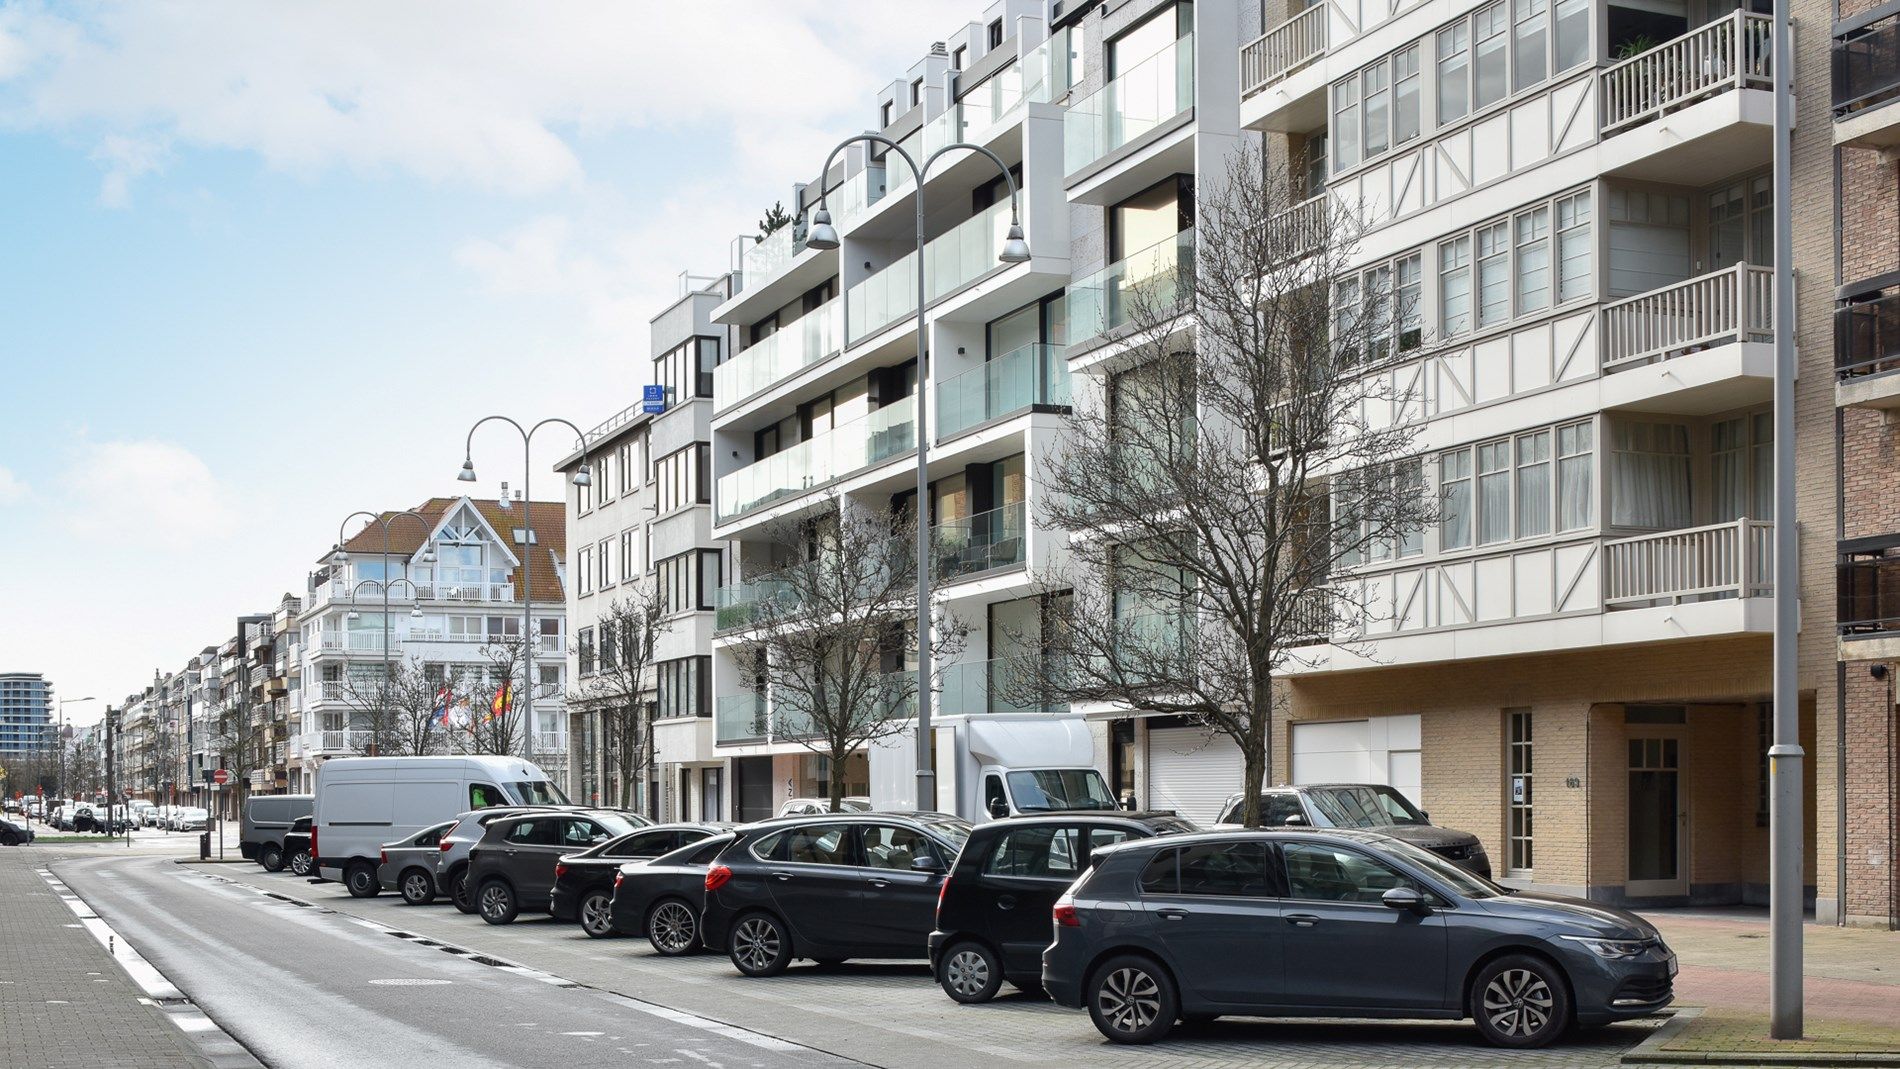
993,913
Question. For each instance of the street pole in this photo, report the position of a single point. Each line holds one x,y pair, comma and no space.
112,776
1785,757
1015,250
424,555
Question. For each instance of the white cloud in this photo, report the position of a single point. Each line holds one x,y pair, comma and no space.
123,159
149,490
12,490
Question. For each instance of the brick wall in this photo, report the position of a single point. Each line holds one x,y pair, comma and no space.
1871,783
1870,215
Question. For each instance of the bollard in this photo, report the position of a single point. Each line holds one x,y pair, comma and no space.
204,846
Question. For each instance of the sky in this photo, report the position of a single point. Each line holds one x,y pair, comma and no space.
262,265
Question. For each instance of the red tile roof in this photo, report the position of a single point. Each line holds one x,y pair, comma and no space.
550,534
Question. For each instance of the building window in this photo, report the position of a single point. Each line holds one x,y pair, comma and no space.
584,569
916,92
684,687
1511,258
623,460
688,581
1741,465
1649,475
960,59
1576,494
585,651
684,477
996,33
884,115
1502,490
603,561
686,370
602,478
627,555
1517,791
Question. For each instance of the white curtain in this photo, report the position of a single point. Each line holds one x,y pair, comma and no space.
1649,476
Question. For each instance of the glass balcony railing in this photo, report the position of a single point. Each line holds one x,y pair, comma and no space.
1105,300
809,464
945,129
737,605
1019,379
954,259
739,718
769,258
1867,66
980,543
998,685
857,194
1867,336
797,345
1139,100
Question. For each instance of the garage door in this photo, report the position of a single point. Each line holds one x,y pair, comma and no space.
1192,772
1380,749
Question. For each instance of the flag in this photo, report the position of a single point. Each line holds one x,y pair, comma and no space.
504,700
443,701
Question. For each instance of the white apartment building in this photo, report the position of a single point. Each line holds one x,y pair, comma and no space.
644,522
455,598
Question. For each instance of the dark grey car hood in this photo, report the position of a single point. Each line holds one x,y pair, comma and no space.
1427,836
1587,918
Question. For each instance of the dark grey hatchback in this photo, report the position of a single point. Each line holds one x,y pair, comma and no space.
1338,923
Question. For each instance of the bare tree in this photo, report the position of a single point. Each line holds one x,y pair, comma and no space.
400,716
497,719
829,646
617,690
1233,466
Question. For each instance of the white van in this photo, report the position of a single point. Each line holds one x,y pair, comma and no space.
364,802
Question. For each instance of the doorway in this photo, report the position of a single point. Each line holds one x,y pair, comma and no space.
1658,841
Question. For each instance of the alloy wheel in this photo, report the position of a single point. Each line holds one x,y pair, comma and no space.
494,903
674,927
1129,999
300,863
415,887
967,972
597,915
756,944
1517,1002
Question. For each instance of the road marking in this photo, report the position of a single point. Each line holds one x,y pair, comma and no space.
405,981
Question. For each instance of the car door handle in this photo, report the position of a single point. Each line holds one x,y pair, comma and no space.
1301,920
1172,914
1005,901
781,875
878,881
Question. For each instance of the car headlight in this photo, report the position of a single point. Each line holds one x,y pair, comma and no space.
1615,949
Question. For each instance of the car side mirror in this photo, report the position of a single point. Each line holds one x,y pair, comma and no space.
1424,816
1404,898
925,863
1295,821
998,808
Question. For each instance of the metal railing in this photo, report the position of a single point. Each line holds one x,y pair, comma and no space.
1283,50
1733,559
1867,336
1034,374
358,641
1868,586
1733,304
1867,66
1137,101
1730,53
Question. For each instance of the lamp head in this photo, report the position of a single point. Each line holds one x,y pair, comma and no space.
415,613
467,474
583,476
1015,248
822,235
352,615
428,555
341,556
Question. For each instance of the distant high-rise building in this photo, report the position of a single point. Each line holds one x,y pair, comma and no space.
26,712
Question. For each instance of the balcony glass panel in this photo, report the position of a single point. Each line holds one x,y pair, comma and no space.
767,259
739,718
1104,300
1869,588
954,259
1145,96
1031,375
858,193
884,433
1867,336
992,686
980,543
797,345
1867,66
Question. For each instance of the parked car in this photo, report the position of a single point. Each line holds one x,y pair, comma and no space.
364,802
777,892
1368,807
408,865
798,807
993,908
1370,926
266,819
451,863
297,856
662,898
584,882
514,863
141,812
12,834
190,818
10,805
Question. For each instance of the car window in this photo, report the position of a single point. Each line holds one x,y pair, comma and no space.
1042,853
1364,807
1100,837
484,796
767,848
889,847
301,824
542,832
1228,869
1317,872
993,795
1162,874
1275,809
1047,789
431,837
646,844
583,833
822,844
703,855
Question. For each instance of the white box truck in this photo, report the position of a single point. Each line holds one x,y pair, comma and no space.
364,802
996,766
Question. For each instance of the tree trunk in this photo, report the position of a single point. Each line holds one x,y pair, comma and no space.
836,784
1258,754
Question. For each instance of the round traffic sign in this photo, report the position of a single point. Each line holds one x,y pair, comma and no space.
221,776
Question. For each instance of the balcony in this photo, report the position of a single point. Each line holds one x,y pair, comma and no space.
550,743
853,199
958,257
1281,51
1725,560
1104,301
977,688
335,742
767,259
1731,53
981,543
736,606
794,347
739,718
945,129
1140,101
1867,350
885,433
442,589
359,641
1735,304
1866,78
1019,380
1036,78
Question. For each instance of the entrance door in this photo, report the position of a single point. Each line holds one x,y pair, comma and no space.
1658,817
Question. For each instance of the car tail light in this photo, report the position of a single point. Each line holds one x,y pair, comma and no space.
618,876
717,876
1065,912
384,856
313,843
560,869
942,889
447,845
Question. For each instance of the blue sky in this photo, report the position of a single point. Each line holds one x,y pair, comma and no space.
263,265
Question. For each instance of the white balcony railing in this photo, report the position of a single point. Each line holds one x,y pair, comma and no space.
370,597
550,742
1283,50
358,641
1730,53
1727,558
335,742
1733,304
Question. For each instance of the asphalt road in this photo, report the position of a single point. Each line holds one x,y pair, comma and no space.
308,986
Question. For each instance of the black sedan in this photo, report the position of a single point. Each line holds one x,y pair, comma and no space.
584,881
662,898
12,834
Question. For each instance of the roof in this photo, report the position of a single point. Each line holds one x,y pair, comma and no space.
550,533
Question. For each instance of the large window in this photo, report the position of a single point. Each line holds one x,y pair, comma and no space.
684,477
1649,475
685,687
687,581
1742,468
1501,270
1379,307
687,370
603,564
1400,476
584,652
629,560
584,568
1517,789
1503,490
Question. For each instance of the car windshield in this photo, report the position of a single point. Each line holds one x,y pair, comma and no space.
951,828
854,805
537,792
616,823
1047,790
1363,807
1464,882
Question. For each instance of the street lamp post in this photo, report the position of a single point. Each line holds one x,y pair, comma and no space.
582,477
342,556
1015,250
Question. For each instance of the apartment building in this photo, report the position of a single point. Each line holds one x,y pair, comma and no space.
641,531
449,589
26,714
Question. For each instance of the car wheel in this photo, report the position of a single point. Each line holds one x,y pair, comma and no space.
672,928
1131,1000
302,864
418,887
460,893
597,915
272,858
361,880
7,838
1520,1001
497,901
760,945
969,973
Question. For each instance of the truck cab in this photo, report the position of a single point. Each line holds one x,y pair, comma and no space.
997,766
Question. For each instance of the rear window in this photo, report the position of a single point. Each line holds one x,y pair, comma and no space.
698,854
766,848
1227,870
1038,853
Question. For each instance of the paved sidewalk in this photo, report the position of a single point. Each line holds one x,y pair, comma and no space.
64,1003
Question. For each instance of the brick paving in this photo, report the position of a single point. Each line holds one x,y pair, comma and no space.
1852,974
1728,1031
64,1003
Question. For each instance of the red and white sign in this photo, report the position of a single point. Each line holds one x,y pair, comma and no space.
221,777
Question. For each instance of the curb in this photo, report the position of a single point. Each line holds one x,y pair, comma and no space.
1650,1051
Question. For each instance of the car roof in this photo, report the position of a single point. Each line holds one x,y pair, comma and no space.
1147,818
1365,838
